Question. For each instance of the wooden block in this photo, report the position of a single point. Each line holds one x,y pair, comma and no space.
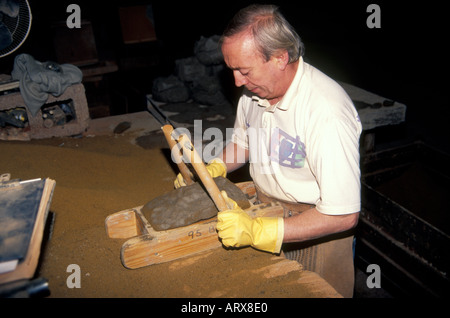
146,246
125,224
248,188
169,245
157,247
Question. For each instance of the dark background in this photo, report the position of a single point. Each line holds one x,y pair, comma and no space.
405,60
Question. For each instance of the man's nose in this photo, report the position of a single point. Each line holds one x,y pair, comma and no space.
239,79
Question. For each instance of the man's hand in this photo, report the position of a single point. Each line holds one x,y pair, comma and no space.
236,228
216,168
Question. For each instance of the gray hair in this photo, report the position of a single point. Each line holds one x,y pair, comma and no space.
270,30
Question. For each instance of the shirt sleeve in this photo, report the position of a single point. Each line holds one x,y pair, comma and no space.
335,162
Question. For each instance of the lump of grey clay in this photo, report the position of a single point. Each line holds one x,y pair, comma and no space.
189,204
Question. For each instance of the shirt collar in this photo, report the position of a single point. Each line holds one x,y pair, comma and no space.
263,102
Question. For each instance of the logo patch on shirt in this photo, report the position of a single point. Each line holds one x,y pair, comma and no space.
288,151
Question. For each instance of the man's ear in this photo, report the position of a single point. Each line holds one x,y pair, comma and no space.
282,59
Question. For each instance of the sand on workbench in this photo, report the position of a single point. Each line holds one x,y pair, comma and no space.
100,175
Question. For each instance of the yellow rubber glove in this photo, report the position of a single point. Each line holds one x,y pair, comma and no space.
236,228
216,168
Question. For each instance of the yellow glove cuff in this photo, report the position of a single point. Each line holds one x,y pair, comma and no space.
268,233
217,168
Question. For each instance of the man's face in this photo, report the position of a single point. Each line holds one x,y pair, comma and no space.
250,68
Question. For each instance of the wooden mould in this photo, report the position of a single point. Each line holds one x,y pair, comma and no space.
146,246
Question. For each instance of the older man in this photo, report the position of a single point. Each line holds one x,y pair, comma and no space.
300,132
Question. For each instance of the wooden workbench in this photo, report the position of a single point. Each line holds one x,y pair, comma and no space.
99,175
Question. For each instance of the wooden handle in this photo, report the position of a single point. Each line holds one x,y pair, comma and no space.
184,170
203,173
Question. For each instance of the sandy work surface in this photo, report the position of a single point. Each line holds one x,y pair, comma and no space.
100,175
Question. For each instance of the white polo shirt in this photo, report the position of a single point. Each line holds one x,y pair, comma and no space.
305,148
